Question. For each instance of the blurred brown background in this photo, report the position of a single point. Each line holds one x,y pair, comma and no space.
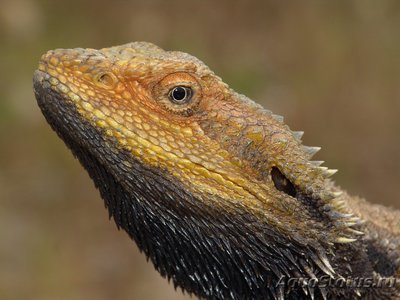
332,68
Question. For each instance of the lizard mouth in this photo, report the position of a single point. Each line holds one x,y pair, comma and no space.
42,89
39,78
50,101
60,114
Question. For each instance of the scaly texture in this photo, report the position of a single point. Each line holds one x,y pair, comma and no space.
218,192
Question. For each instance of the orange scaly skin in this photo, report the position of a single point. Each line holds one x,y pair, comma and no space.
217,191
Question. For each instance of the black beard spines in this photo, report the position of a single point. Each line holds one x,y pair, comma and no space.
206,255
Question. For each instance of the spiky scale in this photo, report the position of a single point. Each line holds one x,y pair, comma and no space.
338,203
345,240
337,194
278,118
324,293
298,134
323,263
356,232
330,172
317,163
335,215
311,291
311,151
328,195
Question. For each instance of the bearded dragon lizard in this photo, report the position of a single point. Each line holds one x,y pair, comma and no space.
216,190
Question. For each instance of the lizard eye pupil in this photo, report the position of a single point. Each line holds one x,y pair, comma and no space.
180,94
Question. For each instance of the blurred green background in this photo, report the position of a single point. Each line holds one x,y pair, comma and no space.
332,68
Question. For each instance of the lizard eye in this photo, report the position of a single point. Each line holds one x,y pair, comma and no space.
180,94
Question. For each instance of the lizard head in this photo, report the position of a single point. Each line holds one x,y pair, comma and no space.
170,145
173,112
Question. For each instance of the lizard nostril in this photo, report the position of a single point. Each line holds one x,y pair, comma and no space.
106,79
282,183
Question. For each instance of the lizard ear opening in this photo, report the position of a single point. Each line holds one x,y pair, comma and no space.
282,183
